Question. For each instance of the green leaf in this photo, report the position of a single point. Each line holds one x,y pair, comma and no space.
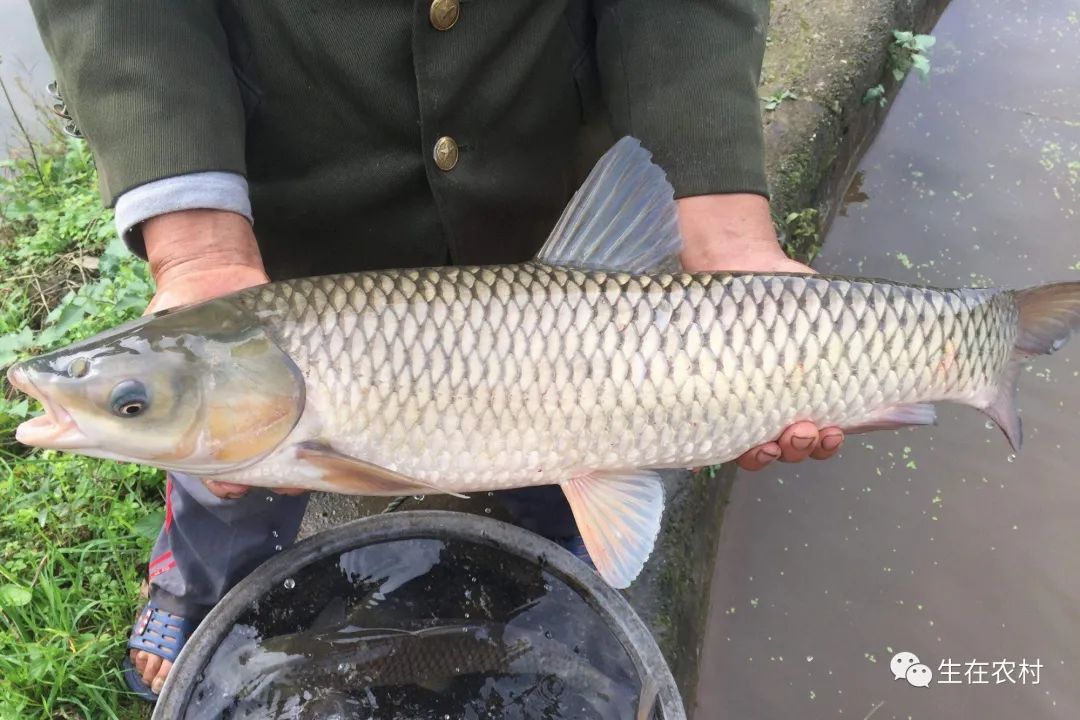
875,93
116,254
925,42
13,596
903,36
14,343
71,313
150,525
18,409
921,64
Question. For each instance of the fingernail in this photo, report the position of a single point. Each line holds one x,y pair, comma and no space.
157,685
801,442
764,457
831,441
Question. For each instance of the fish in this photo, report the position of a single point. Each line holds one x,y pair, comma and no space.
356,660
590,367
380,657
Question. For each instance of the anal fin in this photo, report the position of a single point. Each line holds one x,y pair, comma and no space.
359,477
618,515
1002,406
895,417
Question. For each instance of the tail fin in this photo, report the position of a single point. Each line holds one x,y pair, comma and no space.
1049,315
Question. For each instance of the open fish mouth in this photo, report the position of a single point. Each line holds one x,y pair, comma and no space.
55,429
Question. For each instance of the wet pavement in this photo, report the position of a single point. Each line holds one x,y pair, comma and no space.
934,541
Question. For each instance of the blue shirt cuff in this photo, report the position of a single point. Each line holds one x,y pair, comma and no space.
195,191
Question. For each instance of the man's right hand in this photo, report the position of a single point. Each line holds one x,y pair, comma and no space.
198,255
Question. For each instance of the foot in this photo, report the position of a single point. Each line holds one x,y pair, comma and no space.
153,669
156,640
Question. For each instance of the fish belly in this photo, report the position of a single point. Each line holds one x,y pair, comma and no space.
479,378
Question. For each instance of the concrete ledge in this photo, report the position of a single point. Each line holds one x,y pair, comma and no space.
828,54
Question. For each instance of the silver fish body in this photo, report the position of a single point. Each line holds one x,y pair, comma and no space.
589,368
481,378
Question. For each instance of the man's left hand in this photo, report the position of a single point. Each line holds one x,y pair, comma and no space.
735,232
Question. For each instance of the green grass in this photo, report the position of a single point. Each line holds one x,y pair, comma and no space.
74,531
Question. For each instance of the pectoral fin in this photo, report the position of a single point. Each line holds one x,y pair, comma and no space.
359,477
618,515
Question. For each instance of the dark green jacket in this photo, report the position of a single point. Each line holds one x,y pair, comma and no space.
331,109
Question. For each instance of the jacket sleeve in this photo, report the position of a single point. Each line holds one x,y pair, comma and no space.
149,83
682,76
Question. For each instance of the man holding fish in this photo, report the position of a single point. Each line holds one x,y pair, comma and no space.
368,136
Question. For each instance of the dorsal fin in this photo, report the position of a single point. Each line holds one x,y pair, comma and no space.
623,218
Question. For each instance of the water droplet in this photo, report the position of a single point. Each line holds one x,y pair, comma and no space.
1012,457
269,498
418,498
487,511
289,583
274,533
989,424
548,635
277,548
577,649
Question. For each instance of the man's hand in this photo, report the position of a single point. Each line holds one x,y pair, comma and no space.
735,232
198,255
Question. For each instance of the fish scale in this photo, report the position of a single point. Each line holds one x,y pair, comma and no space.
527,374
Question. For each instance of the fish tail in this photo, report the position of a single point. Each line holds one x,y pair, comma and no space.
1048,316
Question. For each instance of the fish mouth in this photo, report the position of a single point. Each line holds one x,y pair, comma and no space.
56,429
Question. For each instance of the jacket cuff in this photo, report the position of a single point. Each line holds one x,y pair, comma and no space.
193,191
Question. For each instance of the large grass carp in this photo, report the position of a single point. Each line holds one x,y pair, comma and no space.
589,367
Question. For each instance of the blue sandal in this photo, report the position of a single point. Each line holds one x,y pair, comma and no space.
157,632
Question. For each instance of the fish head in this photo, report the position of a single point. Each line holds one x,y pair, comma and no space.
202,389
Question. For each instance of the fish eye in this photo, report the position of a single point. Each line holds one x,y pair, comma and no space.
129,399
78,367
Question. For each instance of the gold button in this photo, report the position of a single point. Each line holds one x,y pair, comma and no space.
444,13
446,153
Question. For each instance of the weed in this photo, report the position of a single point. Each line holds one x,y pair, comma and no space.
875,93
773,101
74,530
802,234
908,52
